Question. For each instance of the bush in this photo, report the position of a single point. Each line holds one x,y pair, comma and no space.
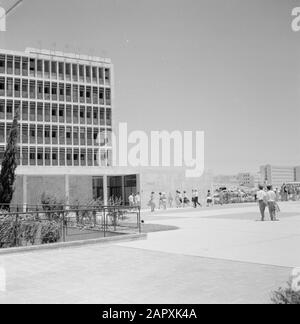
52,206
26,229
286,296
50,232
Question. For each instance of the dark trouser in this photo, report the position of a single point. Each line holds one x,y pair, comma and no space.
197,202
262,208
272,210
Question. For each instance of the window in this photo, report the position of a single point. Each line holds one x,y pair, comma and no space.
90,136
107,76
82,136
76,157
61,113
32,134
61,92
69,114
47,90
88,74
95,95
69,135
89,115
75,72
47,135
54,113
54,70
98,188
17,65
94,74
108,96
32,90
69,157
75,114
54,156
9,87
2,109
2,132
39,68
9,109
32,67
25,110
54,135
47,156
47,112
9,69
95,116
81,73
82,115
17,88
2,63
101,96
82,94
24,156
2,87
24,134
62,158
32,111
40,90
75,136
83,157
40,133
47,69
54,91
102,116
88,94
108,117
75,93
61,135
61,70
40,111
32,156
101,78
24,88
68,92
24,66
40,160
68,71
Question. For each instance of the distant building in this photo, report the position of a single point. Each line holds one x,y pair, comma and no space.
225,181
278,175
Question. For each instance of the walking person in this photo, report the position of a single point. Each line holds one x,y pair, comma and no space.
131,200
151,203
194,198
164,200
178,199
170,200
137,199
262,201
186,201
272,204
209,199
197,202
160,201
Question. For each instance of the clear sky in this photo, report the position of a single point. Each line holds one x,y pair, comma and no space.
230,68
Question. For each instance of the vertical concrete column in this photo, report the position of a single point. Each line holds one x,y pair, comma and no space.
67,189
123,190
25,197
105,192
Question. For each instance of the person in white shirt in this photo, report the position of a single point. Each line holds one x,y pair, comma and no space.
271,199
131,200
262,201
137,199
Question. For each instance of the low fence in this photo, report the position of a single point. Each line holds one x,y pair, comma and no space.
48,224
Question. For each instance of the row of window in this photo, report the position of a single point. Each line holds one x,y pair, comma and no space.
39,156
54,135
33,111
47,69
21,88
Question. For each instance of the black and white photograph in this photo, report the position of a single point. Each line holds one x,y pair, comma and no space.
149,155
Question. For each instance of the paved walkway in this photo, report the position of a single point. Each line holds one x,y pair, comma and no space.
191,265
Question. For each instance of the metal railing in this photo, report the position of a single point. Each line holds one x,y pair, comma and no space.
45,224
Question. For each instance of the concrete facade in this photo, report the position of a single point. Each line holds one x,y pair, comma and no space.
279,175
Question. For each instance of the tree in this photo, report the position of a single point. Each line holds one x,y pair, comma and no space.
9,165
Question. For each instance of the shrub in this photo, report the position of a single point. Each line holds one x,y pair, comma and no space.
52,206
286,296
50,232
26,229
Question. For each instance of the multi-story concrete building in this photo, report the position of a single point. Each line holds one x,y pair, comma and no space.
64,106
279,175
64,103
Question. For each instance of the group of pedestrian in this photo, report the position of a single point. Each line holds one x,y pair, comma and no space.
267,198
182,200
134,200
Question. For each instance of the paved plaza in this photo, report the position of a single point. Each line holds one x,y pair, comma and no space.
222,255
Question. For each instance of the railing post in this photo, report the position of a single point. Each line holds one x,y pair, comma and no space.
104,220
139,220
64,227
16,231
